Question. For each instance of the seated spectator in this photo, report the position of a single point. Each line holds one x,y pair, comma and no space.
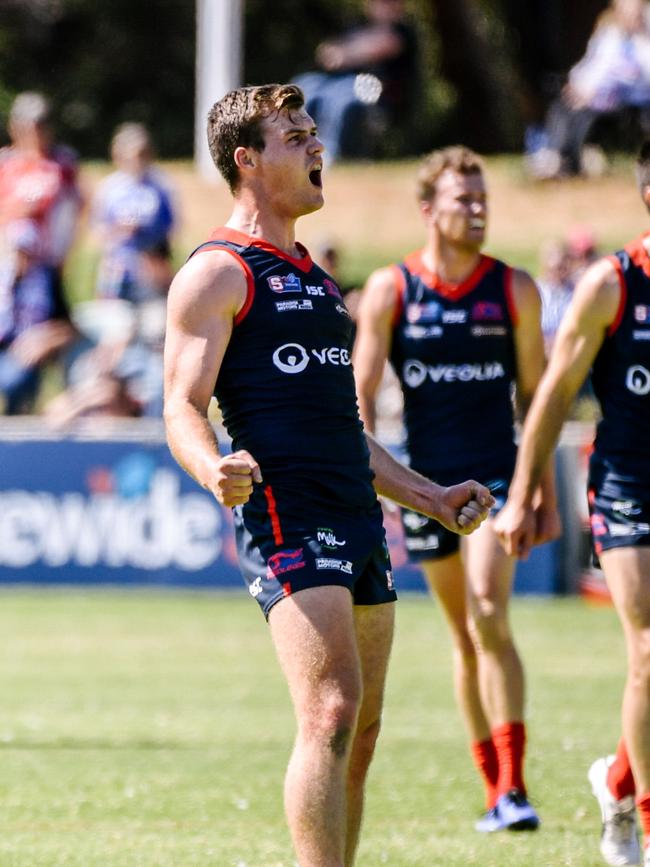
372,64
38,180
34,321
134,215
613,74
118,372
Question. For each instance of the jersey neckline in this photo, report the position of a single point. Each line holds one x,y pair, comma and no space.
638,253
416,265
224,233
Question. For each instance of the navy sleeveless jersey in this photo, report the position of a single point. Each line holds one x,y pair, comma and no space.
621,372
285,387
453,352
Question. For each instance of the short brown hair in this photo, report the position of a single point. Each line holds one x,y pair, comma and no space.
457,158
236,121
643,166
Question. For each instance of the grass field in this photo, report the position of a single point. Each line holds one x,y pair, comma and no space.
151,729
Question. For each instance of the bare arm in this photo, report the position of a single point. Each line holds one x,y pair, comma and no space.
460,508
42,341
373,44
373,340
529,350
204,299
580,336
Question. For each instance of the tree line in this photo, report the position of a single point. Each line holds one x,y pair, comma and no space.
489,67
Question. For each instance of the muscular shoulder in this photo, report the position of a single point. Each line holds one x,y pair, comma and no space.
600,286
380,294
210,283
524,288
525,298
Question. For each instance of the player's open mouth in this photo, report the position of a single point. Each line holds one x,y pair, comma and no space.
477,224
316,178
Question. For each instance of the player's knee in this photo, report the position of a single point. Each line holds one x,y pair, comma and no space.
488,625
332,721
640,657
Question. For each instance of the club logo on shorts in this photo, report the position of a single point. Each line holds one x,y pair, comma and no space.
332,563
255,587
414,520
327,538
284,561
642,313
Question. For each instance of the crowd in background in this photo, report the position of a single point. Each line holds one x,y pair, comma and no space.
108,350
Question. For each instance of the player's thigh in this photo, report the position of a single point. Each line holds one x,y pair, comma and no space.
488,568
445,577
374,628
627,571
313,631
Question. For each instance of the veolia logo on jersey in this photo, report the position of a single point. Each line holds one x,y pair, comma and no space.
637,380
415,373
294,358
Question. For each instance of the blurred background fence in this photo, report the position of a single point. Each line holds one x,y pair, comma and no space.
108,505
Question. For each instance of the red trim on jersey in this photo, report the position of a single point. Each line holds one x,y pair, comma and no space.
400,286
223,233
623,299
639,254
509,293
250,280
278,538
415,263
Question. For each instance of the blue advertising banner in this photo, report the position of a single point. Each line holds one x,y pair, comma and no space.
122,512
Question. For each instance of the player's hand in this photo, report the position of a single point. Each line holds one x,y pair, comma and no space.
232,483
548,525
516,527
464,507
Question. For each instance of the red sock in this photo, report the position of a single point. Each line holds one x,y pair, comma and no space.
643,807
510,743
485,759
620,781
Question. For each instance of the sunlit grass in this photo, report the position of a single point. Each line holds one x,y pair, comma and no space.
153,729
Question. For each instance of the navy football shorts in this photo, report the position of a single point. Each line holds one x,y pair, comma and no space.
427,539
280,555
619,509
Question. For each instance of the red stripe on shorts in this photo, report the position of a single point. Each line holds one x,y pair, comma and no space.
278,538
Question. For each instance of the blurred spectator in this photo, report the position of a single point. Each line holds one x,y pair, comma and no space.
562,264
583,250
556,286
34,320
118,372
134,216
613,74
38,179
367,73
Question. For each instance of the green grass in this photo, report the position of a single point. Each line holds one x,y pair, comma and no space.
153,728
